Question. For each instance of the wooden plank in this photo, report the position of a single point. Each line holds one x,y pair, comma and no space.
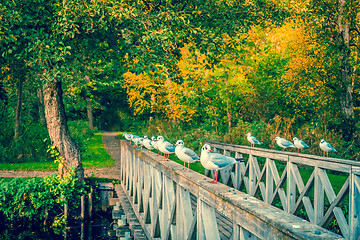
209,221
279,191
184,216
318,197
304,199
354,212
252,176
269,181
260,178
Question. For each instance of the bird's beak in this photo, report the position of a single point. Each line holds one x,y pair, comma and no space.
210,150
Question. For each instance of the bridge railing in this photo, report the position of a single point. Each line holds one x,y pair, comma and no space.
172,204
324,191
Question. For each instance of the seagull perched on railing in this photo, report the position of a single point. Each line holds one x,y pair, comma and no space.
299,144
137,140
326,147
165,147
282,142
252,140
127,136
185,154
215,161
147,143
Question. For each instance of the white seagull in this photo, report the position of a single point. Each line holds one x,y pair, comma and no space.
165,147
138,141
185,154
214,161
154,143
252,140
326,147
147,143
282,142
127,136
299,144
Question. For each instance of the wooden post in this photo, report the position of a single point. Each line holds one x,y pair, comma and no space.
354,211
90,205
82,207
66,209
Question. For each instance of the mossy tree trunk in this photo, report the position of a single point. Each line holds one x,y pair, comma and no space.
58,130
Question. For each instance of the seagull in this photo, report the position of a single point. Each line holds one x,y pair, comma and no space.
147,143
185,154
299,144
165,147
137,140
127,136
282,142
252,140
154,143
326,147
215,161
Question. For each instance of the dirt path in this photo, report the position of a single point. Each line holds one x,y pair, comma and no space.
112,145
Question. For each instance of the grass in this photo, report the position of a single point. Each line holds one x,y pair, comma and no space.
95,156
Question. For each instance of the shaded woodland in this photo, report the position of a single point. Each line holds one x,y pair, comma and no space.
189,70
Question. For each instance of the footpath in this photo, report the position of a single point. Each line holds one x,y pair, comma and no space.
112,145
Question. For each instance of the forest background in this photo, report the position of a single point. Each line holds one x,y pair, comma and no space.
190,70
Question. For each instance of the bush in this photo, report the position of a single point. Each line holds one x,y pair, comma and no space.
32,200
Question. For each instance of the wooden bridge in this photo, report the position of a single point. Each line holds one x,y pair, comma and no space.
269,195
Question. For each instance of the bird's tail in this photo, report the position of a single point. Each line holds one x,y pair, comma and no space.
239,159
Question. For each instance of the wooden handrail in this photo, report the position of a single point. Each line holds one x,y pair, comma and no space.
172,203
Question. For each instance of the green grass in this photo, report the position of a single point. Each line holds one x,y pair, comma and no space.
29,166
95,156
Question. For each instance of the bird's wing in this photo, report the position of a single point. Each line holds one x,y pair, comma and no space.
255,140
170,147
303,143
191,153
330,147
286,142
221,160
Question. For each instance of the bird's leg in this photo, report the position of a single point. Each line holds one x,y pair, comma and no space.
188,169
283,149
216,176
184,167
213,176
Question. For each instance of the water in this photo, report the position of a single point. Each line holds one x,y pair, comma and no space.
100,228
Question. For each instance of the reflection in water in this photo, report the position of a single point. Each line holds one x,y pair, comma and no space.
99,228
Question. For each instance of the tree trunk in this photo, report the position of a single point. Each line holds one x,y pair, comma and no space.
41,106
89,107
59,132
90,114
18,110
346,98
227,103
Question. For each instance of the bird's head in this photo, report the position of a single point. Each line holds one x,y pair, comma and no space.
153,138
179,143
145,137
277,138
322,141
295,139
248,134
206,147
160,138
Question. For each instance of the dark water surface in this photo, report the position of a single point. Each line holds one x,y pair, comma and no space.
99,228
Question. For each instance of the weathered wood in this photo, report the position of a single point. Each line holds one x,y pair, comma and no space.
166,211
291,200
354,211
